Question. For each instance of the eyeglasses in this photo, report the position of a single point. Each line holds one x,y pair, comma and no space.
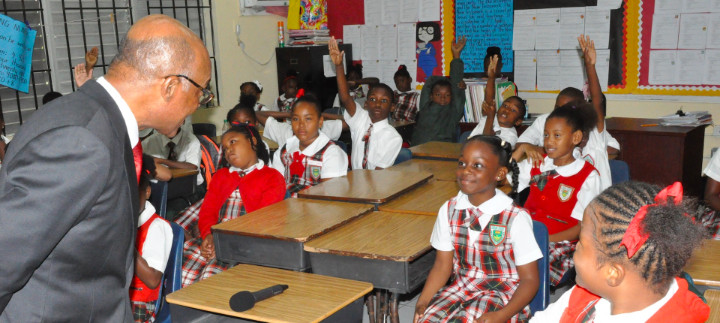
207,95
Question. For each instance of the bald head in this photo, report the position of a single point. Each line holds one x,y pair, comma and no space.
157,46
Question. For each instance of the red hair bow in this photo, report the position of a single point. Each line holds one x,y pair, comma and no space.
635,236
300,93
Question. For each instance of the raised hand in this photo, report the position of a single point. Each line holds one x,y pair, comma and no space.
335,54
91,58
491,72
489,109
82,74
458,45
588,48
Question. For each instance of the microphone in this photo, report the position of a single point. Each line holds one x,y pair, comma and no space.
245,300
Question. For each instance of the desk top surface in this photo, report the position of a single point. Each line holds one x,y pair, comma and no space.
652,126
704,265
309,297
293,219
437,149
366,186
181,172
442,170
379,235
425,200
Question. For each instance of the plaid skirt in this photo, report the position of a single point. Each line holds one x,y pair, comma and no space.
711,221
455,304
561,259
143,311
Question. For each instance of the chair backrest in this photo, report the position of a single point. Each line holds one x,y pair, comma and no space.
206,129
158,197
619,171
172,278
542,298
464,137
210,158
404,155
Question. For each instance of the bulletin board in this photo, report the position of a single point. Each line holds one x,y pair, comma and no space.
629,45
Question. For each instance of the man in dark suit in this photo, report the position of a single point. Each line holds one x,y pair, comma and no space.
68,184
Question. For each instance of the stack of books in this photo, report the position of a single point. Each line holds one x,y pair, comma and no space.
475,94
307,37
690,119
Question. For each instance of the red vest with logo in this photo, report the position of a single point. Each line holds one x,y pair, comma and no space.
553,205
684,306
139,292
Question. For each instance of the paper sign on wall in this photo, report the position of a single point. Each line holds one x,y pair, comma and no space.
16,46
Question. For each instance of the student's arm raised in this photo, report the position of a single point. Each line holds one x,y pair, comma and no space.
343,91
457,71
590,58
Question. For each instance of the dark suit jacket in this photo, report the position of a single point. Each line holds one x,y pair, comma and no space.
68,214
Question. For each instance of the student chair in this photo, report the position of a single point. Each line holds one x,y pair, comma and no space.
404,155
542,298
207,129
172,278
619,171
158,197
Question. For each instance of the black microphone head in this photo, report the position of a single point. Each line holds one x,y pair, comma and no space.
242,301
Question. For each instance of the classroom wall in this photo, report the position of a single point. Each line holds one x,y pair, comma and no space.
259,34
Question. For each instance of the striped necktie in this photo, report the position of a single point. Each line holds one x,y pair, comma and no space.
366,139
172,155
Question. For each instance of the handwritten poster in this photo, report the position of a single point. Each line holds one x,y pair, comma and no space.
16,47
486,23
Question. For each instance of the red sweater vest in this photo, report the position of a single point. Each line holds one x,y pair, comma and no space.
684,306
553,205
258,189
139,292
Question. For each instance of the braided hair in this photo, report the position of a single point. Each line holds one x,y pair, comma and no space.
503,150
258,145
579,116
672,233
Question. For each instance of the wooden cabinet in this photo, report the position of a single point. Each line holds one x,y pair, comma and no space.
661,155
307,61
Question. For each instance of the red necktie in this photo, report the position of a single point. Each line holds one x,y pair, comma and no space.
366,139
137,156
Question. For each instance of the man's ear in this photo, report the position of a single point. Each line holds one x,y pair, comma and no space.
169,86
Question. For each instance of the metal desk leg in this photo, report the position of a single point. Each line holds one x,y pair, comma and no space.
370,303
394,315
380,314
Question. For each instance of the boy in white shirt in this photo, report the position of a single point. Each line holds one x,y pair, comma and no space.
376,144
182,151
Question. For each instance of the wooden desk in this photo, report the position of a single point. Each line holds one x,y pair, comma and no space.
180,172
704,266
309,297
442,170
661,155
424,200
182,184
713,300
390,250
366,186
274,235
437,150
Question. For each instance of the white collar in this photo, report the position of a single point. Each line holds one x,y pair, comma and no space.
146,213
494,205
380,124
128,116
293,144
566,170
260,164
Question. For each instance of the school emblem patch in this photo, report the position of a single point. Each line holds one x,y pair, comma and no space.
315,172
497,233
565,192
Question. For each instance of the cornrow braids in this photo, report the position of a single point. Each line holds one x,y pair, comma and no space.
503,150
672,232
258,145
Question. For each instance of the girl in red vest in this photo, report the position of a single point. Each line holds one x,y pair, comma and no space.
247,185
485,242
635,241
561,186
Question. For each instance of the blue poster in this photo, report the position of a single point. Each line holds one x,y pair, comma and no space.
485,23
16,48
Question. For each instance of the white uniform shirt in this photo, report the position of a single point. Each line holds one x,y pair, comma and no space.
187,148
589,189
334,163
385,141
508,134
158,241
279,132
554,311
595,152
713,168
521,232
534,133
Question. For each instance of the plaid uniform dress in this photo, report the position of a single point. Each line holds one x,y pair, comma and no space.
485,276
710,219
407,105
195,267
312,174
143,311
285,104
